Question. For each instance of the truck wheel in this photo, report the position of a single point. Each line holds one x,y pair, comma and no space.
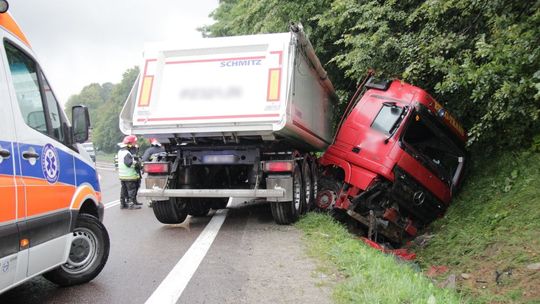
198,207
169,211
307,185
88,255
286,213
219,203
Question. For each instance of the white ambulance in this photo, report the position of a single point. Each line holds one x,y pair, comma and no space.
50,200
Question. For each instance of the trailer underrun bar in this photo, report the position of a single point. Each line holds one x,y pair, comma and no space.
247,193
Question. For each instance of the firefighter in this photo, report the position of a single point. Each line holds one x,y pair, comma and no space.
155,147
128,172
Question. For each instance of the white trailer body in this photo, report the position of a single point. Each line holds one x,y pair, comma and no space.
239,118
270,86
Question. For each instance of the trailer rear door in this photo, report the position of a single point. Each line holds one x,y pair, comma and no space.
221,80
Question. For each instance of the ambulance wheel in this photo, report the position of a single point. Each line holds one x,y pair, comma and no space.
286,213
88,255
198,207
169,211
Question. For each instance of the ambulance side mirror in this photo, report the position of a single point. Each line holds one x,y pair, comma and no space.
80,122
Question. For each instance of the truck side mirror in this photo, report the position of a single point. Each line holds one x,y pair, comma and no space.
80,121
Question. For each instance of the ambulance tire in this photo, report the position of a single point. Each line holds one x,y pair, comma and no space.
89,253
286,213
169,211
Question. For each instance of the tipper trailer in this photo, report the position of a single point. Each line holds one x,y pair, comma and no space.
240,117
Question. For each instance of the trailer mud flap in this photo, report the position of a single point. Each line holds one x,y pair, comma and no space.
280,182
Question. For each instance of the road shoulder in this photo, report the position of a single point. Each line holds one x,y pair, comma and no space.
254,260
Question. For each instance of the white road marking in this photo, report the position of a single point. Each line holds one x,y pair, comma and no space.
171,288
112,204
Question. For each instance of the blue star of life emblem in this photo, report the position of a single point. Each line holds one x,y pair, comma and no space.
50,164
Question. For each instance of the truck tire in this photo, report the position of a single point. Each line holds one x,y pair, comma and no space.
198,207
168,212
219,203
314,183
307,185
88,255
286,213
327,193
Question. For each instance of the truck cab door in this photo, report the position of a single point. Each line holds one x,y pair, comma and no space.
11,213
46,162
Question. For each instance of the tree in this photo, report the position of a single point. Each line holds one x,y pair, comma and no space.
104,103
90,96
107,132
478,57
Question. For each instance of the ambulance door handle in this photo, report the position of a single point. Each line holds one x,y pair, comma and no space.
29,154
4,153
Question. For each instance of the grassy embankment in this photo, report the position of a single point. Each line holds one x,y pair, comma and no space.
493,225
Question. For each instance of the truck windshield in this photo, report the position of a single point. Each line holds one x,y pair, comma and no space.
427,140
387,120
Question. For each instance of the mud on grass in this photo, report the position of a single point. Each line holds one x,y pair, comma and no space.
493,226
365,275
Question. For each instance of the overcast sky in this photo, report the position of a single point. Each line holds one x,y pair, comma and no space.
80,42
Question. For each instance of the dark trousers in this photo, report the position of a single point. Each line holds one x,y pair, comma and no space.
128,191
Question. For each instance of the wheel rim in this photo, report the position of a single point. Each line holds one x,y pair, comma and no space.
307,185
297,186
325,199
314,181
83,252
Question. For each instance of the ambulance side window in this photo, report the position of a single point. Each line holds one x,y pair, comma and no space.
39,108
55,115
24,74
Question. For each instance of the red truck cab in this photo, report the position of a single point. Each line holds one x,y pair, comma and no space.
396,160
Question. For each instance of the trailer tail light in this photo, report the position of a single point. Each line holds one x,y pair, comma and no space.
146,91
278,166
274,79
156,168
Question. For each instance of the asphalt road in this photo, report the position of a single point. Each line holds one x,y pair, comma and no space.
251,260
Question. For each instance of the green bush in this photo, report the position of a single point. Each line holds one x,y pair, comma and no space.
480,58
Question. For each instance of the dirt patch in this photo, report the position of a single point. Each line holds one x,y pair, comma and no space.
491,281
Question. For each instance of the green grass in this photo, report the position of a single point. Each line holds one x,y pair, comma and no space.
494,224
367,275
